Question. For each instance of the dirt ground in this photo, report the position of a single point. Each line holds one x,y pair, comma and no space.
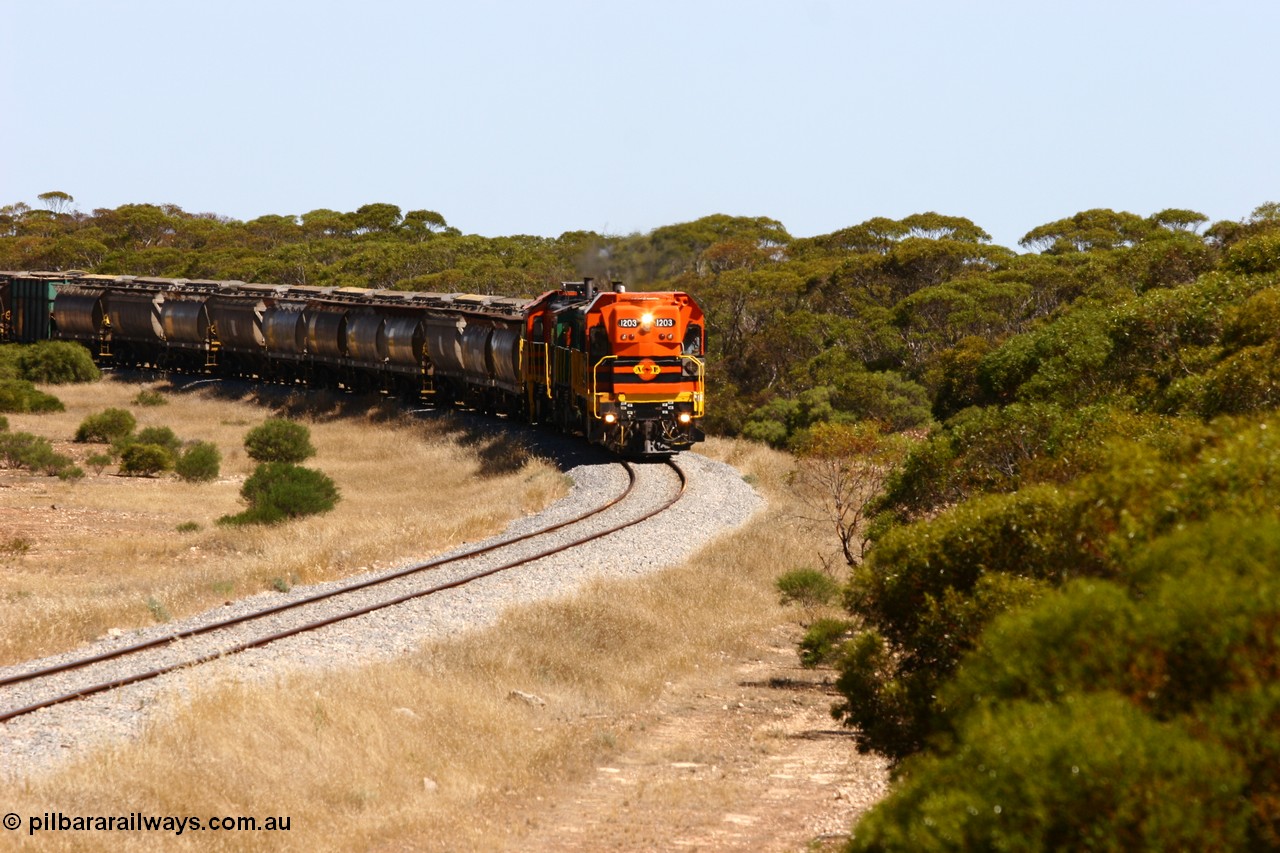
745,757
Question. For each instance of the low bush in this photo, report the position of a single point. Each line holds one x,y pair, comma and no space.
279,440
99,462
822,641
20,396
57,363
163,436
145,460
277,491
147,397
4,424
9,361
109,425
24,450
199,463
807,587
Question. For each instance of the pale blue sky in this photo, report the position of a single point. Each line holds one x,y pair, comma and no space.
545,117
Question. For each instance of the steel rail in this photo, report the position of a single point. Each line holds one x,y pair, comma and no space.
111,654
320,623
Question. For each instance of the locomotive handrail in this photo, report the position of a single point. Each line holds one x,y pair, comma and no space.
546,366
595,384
699,396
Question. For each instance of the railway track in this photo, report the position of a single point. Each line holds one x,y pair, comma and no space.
44,686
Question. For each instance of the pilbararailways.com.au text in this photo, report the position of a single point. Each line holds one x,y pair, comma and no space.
140,822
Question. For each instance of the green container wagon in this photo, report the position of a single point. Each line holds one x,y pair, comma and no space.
5,333
31,310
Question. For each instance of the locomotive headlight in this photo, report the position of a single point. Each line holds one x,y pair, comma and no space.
646,322
610,418
685,418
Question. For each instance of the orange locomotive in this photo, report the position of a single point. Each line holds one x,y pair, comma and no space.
627,369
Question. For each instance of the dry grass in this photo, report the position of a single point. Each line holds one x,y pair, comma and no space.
431,753
408,488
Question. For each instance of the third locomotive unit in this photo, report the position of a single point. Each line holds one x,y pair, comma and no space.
624,369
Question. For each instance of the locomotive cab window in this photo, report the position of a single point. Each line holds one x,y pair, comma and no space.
599,343
693,340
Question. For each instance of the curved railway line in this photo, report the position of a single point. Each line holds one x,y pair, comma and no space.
25,692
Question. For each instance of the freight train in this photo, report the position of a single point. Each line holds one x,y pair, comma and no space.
626,370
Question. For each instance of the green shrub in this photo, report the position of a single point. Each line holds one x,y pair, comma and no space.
929,588
1253,322
161,435
189,527
17,447
147,397
807,587
108,425
99,462
145,460
955,375
24,450
57,363
280,490
199,463
278,440
19,395
822,641
1096,774
4,424
999,449
1207,622
9,361
890,689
